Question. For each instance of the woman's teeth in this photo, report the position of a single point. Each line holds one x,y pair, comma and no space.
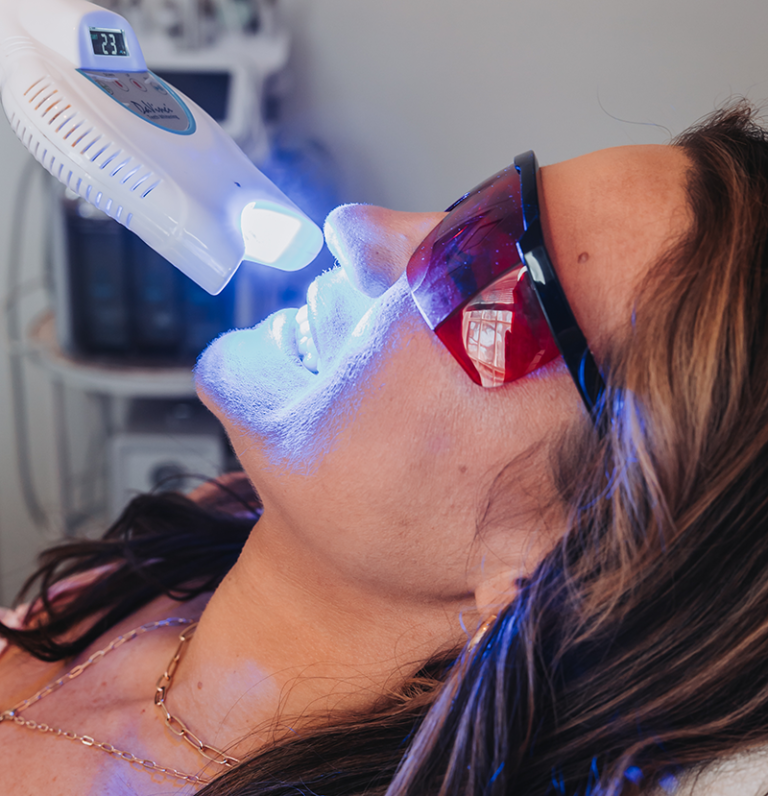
304,342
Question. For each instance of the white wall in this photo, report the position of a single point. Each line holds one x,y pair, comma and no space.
420,99
423,98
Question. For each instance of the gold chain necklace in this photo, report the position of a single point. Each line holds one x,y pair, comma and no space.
174,724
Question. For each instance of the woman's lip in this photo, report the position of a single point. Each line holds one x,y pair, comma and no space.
334,309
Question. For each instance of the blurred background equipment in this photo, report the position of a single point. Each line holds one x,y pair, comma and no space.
165,445
117,300
115,328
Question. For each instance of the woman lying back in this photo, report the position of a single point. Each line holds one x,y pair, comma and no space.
432,444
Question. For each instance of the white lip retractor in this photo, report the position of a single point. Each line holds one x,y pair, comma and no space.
78,94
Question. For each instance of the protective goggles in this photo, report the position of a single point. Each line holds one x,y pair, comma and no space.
485,285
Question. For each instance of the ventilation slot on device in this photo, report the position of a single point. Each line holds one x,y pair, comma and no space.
100,153
40,147
36,83
150,189
45,99
141,181
130,174
90,144
34,145
82,136
39,91
104,203
76,127
119,167
109,159
53,105
75,182
56,116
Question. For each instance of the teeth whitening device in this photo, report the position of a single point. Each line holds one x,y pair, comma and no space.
79,96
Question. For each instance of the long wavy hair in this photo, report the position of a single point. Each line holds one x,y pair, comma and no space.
637,648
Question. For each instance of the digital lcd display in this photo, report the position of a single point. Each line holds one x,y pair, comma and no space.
108,42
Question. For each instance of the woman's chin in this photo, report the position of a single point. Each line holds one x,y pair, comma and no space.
247,372
270,404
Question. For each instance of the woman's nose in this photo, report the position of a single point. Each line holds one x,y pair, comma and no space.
374,244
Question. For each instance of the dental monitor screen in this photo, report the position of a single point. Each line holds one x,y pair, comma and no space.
78,94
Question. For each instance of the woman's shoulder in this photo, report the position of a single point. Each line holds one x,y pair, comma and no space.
18,671
73,708
21,675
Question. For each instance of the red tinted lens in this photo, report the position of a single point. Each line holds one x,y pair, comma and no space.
469,249
501,334
467,280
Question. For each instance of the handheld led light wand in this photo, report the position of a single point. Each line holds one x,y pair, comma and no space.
78,94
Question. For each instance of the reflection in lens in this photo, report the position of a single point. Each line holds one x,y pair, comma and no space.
504,332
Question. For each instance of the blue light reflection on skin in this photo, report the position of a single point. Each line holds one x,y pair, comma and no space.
256,380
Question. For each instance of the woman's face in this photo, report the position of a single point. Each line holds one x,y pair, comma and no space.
380,457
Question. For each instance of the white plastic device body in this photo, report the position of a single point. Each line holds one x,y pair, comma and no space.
78,94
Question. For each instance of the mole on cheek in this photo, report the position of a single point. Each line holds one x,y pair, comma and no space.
583,257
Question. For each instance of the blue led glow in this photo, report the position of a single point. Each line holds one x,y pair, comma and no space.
267,232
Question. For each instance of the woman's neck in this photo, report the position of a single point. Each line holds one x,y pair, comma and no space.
281,646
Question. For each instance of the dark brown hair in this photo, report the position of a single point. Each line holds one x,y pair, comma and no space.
161,544
637,648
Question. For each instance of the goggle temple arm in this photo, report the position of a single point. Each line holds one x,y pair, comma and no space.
562,323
